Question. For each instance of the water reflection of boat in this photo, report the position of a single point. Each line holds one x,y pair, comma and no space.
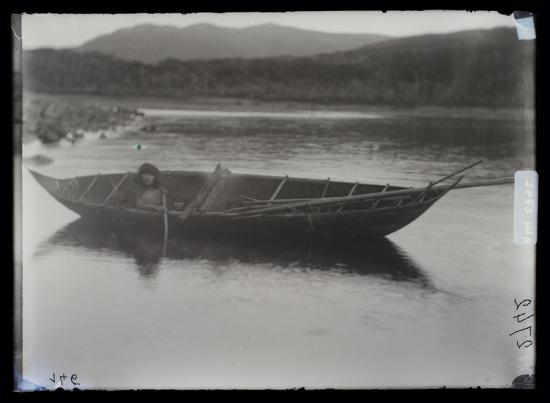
381,257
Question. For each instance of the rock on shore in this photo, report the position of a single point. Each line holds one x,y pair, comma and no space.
52,118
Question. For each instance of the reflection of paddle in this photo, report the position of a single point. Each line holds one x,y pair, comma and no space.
165,224
197,201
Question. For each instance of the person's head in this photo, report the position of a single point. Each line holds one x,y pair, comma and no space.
148,175
179,201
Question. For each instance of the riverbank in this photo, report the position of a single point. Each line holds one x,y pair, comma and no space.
51,118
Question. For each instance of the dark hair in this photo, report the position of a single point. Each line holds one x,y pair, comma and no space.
147,168
179,196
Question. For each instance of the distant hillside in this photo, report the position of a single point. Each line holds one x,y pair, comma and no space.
471,68
151,43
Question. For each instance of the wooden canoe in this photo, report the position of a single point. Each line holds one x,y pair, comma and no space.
363,217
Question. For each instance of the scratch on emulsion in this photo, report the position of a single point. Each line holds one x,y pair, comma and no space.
15,33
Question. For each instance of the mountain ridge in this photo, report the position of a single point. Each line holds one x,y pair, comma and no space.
469,68
150,43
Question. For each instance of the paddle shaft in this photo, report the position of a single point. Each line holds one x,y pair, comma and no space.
186,213
165,220
457,172
250,201
367,196
487,182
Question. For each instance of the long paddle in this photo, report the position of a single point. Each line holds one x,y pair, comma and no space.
251,204
457,172
343,199
201,195
165,223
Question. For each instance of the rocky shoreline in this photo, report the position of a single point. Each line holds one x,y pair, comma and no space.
68,117
54,118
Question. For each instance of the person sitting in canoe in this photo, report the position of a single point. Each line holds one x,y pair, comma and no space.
146,192
179,201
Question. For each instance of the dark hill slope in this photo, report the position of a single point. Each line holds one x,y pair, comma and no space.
471,68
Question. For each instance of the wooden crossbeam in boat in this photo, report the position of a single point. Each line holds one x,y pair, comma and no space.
375,203
324,192
64,188
336,200
263,203
110,195
279,188
292,208
87,190
250,201
68,185
364,197
440,192
325,189
349,194
353,188
248,198
244,217
454,185
310,222
423,193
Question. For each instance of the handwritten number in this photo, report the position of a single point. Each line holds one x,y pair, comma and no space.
522,303
520,330
521,317
521,314
63,377
73,380
526,341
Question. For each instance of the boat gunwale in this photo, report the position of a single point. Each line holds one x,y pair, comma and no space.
320,214
233,174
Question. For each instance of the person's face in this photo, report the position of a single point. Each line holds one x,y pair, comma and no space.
178,205
148,179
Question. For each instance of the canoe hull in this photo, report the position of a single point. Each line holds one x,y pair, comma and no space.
346,224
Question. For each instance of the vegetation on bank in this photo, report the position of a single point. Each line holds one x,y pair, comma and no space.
489,68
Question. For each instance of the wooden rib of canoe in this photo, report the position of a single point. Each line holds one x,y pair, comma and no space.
270,205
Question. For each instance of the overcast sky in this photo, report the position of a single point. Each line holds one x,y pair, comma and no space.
67,30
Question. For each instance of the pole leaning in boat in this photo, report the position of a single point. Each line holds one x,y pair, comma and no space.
350,199
457,172
165,216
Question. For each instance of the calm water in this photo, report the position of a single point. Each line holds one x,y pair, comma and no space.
431,305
